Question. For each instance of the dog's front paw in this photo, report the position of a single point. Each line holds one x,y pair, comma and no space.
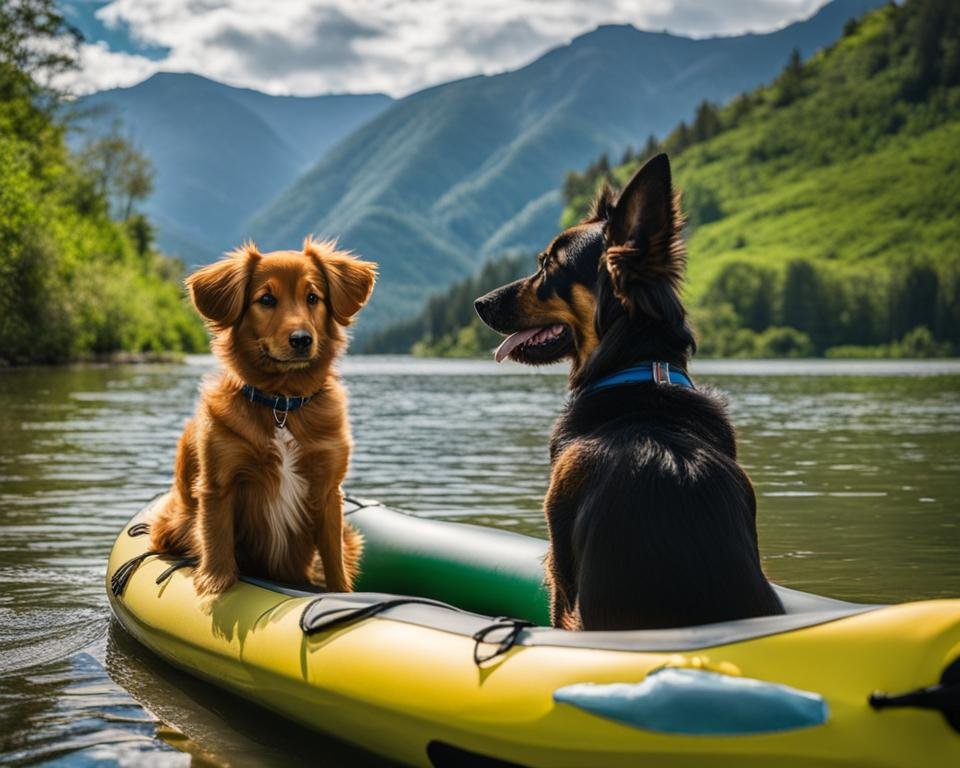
208,582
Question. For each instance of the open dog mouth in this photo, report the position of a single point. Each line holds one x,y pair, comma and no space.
544,344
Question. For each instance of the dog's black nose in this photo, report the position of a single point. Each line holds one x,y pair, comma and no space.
300,340
481,305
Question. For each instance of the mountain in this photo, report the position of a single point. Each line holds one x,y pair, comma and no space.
823,209
220,153
451,175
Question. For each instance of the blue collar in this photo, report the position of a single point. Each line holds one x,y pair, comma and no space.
277,402
658,373
281,404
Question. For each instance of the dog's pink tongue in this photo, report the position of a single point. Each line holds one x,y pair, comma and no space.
513,341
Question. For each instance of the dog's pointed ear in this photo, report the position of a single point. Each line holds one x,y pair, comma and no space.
219,290
349,280
642,233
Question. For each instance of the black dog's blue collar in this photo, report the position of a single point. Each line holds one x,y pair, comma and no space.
277,402
659,373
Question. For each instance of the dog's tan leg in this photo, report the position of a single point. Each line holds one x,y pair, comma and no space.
560,508
328,531
561,581
217,570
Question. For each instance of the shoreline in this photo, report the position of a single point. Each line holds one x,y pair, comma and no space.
104,359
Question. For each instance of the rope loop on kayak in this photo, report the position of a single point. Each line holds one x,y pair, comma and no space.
314,620
513,627
120,578
176,565
138,529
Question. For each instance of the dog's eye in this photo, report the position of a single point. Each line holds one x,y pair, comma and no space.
267,300
312,298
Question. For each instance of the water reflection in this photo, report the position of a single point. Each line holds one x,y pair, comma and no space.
856,470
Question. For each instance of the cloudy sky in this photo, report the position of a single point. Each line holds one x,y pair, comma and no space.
393,46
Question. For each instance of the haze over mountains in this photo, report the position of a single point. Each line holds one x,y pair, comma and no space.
220,153
451,175
432,185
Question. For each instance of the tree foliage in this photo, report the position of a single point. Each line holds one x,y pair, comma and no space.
122,174
73,280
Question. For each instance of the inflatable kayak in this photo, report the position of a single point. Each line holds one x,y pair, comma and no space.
442,659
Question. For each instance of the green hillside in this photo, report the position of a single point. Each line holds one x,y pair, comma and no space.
453,175
78,275
824,208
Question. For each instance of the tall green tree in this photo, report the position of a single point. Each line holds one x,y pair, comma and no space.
914,294
806,304
121,173
749,289
706,122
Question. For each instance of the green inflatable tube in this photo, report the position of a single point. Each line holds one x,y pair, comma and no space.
479,569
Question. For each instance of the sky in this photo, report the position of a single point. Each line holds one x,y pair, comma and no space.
307,47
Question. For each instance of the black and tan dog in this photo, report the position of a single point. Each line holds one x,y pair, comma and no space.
652,522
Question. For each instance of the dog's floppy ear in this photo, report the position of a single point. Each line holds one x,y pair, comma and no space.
349,280
642,233
218,290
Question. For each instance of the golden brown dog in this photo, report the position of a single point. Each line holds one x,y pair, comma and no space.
259,466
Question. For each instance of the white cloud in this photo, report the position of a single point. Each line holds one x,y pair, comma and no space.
102,68
394,46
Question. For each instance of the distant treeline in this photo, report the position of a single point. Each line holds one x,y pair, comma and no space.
78,272
912,310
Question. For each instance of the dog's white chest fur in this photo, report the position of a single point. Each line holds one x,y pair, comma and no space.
287,509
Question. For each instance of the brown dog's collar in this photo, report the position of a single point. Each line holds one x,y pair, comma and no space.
282,405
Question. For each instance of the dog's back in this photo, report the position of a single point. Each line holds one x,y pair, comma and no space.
651,520
662,518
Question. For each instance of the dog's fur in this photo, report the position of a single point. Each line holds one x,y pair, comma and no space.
248,494
652,522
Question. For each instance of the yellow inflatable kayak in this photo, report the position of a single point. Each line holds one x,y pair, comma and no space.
417,669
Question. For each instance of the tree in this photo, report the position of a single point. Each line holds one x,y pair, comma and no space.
141,232
651,148
790,82
701,204
679,139
748,289
783,342
706,122
36,44
120,172
913,298
948,307
739,109
805,301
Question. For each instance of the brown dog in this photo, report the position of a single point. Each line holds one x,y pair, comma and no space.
259,466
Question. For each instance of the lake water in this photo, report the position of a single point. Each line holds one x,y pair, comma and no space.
856,467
